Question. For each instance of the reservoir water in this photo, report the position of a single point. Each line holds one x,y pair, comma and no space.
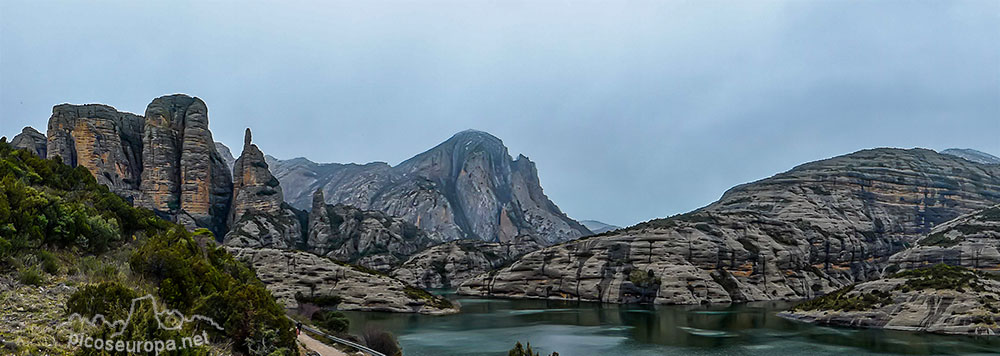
490,327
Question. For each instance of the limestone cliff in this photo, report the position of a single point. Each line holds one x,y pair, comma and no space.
286,273
466,187
368,238
104,140
971,241
449,264
31,140
797,235
940,299
259,216
226,154
183,175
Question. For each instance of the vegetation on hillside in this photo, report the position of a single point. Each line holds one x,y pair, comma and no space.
48,209
520,350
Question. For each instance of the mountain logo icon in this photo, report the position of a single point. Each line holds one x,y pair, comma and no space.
167,319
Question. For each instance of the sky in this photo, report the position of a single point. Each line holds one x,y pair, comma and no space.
631,110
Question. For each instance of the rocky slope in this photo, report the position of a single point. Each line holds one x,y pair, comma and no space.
31,140
940,299
289,272
797,235
973,155
466,187
165,160
259,216
365,237
449,264
971,241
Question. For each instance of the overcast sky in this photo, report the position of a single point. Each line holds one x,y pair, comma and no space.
632,110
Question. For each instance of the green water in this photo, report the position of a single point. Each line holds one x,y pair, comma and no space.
491,327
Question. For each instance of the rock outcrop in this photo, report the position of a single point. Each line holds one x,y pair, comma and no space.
183,175
803,233
31,140
466,187
598,227
365,237
286,273
105,141
939,299
973,155
971,241
449,264
165,160
259,216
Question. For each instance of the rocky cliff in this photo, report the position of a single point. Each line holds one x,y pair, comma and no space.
104,140
165,160
31,140
799,234
939,299
259,216
226,154
449,264
365,237
182,173
971,241
598,227
973,155
466,187
289,272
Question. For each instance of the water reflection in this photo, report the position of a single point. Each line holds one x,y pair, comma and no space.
490,327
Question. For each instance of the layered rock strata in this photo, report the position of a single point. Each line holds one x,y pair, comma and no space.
31,140
800,234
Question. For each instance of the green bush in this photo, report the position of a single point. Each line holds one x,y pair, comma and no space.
323,300
643,279
31,276
332,321
519,350
50,264
381,341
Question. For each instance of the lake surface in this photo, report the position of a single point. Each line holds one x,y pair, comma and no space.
490,327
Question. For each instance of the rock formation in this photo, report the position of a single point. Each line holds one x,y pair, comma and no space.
183,175
259,216
105,141
799,234
368,238
449,264
289,272
939,299
973,155
165,160
466,187
971,241
31,140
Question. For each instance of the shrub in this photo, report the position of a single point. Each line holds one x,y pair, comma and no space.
323,300
31,276
381,341
519,350
334,322
50,264
111,299
642,279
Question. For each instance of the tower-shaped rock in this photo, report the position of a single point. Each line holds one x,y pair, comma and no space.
31,140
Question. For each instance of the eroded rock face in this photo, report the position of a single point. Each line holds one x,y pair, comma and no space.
911,303
31,140
259,216
365,237
971,241
466,187
287,272
226,154
105,141
799,234
449,264
182,172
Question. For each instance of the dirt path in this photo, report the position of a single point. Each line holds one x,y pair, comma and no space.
315,345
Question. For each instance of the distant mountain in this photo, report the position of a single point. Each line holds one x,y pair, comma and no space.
227,155
972,155
598,227
797,235
466,187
